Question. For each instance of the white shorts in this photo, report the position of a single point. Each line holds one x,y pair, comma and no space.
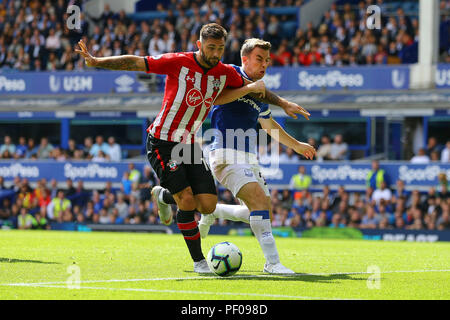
233,174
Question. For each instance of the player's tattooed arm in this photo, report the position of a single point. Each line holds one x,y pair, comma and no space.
124,62
231,94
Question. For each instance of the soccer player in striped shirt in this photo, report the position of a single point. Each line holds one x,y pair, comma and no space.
194,81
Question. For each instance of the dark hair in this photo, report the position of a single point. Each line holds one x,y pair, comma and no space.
214,31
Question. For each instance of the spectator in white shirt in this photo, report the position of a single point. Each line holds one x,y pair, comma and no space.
7,146
338,149
53,41
323,153
289,156
421,157
156,45
445,154
383,193
114,150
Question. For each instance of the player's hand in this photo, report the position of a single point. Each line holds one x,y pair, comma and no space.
90,60
258,88
305,150
292,109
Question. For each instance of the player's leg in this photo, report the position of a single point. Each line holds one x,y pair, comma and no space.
158,155
173,177
258,202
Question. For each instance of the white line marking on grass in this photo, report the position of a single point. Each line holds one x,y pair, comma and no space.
220,278
194,292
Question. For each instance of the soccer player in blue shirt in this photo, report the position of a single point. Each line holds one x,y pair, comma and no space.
233,157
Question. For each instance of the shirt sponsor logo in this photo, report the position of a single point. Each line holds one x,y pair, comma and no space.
194,97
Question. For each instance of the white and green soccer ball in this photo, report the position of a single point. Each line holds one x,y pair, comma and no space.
224,259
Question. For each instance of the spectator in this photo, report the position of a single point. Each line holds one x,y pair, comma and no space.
32,149
300,181
45,148
421,157
409,52
72,148
24,220
101,156
98,145
324,151
445,154
114,151
370,220
442,182
383,193
88,145
134,174
70,189
336,221
376,176
57,206
433,146
338,149
21,148
289,156
126,183
400,191
7,146
39,222
146,182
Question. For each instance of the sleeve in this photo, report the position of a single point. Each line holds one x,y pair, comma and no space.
265,113
161,64
234,78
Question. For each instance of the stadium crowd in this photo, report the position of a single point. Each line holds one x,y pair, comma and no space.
98,151
335,149
379,207
35,35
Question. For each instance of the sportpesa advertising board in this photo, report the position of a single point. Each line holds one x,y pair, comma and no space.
322,173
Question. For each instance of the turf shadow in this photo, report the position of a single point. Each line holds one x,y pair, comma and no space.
305,277
11,260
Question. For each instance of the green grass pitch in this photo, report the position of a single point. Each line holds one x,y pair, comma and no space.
37,265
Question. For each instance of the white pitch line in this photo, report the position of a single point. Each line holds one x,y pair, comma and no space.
197,292
219,278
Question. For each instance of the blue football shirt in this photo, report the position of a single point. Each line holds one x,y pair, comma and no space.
235,122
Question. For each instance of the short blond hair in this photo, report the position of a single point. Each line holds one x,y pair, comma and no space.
252,43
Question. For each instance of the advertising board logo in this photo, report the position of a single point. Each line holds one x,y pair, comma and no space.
330,79
398,78
124,83
71,83
443,77
11,84
272,81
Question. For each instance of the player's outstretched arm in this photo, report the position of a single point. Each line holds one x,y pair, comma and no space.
291,109
231,94
277,132
124,62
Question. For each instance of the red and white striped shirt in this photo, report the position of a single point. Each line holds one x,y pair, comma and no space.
189,94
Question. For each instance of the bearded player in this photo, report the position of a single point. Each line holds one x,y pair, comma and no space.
234,162
194,81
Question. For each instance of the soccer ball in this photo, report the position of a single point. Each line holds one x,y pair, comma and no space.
224,259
